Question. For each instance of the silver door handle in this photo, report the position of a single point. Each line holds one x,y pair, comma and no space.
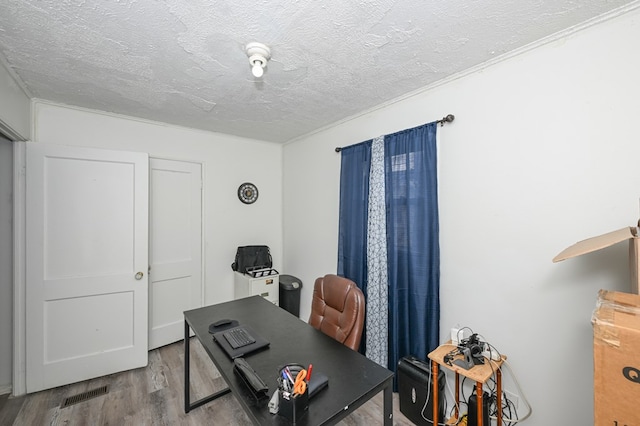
139,275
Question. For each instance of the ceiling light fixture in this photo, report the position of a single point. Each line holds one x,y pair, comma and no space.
259,55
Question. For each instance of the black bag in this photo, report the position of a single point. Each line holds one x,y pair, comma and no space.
252,257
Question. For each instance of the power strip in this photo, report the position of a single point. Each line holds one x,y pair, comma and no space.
454,336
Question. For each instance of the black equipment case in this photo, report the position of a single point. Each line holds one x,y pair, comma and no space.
252,257
414,386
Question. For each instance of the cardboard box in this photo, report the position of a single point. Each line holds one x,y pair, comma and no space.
606,240
616,349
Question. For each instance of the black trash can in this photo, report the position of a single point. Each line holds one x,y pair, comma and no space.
290,294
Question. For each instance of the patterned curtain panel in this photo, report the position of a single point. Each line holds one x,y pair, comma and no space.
389,241
377,319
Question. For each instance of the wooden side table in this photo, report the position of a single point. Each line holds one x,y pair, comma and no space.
479,374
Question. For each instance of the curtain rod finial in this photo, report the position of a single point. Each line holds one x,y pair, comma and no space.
338,149
448,119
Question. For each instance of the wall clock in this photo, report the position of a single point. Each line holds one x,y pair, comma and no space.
248,193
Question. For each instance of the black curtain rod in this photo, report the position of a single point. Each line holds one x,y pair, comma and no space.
447,119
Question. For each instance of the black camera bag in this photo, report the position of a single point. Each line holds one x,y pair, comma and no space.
252,257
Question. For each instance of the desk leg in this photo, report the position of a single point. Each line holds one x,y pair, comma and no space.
388,404
479,404
434,386
187,384
188,406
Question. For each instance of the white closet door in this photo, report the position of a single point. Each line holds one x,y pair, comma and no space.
175,248
86,263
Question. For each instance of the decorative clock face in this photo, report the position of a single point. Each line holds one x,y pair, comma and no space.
248,193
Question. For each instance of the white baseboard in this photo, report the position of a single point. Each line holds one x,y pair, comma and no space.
5,389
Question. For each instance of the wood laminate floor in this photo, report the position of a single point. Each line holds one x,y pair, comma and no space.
154,396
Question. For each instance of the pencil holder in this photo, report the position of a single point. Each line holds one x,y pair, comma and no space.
292,406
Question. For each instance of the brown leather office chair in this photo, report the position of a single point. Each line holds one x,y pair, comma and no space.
337,309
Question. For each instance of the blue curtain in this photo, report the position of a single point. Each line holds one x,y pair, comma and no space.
412,241
354,199
413,250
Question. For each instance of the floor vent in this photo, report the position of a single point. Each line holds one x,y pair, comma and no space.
84,396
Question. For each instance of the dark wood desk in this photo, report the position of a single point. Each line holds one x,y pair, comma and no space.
353,379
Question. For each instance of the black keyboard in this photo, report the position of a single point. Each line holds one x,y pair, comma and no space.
238,337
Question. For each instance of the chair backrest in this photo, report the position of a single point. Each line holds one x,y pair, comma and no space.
337,309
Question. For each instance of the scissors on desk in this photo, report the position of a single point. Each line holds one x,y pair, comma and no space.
300,385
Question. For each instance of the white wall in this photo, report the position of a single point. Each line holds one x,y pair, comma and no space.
543,153
15,107
6,264
227,162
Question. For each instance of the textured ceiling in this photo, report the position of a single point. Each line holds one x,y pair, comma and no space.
183,62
